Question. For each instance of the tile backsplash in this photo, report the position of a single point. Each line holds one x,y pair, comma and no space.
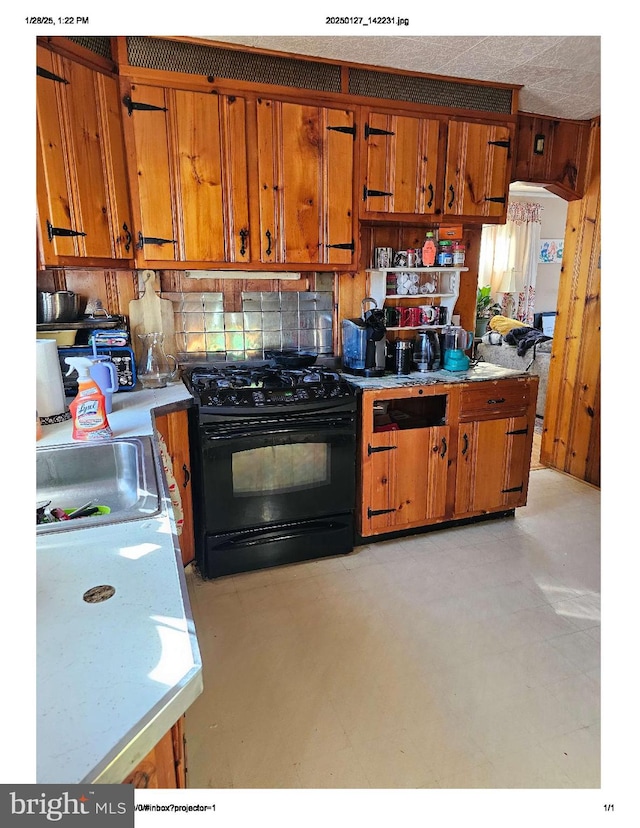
269,319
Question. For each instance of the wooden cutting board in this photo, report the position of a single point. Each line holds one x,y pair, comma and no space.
149,314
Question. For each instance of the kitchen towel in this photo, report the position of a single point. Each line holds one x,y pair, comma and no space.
50,401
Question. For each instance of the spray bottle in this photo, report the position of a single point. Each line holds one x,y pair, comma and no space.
88,409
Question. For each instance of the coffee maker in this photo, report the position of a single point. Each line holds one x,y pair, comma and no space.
456,341
363,342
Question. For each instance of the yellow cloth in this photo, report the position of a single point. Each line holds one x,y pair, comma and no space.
503,324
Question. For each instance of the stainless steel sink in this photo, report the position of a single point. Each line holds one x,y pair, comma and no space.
121,474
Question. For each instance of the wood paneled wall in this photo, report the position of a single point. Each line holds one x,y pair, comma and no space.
571,437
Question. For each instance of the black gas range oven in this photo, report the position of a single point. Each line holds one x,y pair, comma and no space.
273,462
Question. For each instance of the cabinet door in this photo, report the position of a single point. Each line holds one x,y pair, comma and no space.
477,169
305,183
553,152
492,465
164,765
401,175
407,481
190,175
83,198
174,428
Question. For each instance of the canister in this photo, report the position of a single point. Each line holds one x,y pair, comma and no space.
445,254
459,251
402,361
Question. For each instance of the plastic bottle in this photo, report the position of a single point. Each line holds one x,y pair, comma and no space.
429,251
88,409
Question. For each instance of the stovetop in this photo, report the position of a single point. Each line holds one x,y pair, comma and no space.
254,385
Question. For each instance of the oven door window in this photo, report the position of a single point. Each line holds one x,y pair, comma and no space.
273,474
280,469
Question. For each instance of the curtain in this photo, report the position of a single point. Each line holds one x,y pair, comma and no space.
509,260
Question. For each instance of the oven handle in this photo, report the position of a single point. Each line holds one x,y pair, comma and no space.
240,432
261,537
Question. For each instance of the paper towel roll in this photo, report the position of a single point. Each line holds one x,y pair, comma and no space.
50,399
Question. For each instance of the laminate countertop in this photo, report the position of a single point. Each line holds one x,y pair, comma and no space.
481,372
114,676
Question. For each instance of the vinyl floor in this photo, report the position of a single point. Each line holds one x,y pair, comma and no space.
462,658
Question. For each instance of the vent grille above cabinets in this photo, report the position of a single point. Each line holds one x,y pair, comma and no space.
429,91
98,45
231,64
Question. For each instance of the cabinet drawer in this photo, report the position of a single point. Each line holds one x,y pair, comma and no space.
490,400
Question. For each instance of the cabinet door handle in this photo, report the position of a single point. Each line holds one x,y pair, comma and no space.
430,202
243,238
466,444
453,196
128,237
268,235
187,476
496,402
444,447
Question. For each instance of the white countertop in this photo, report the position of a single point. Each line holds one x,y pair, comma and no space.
112,677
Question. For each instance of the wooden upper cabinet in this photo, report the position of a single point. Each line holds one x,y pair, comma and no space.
552,152
190,175
400,166
477,169
82,192
305,156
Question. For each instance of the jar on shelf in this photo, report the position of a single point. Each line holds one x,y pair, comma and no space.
414,257
459,251
445,254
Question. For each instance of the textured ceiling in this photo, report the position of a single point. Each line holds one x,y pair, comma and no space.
560,75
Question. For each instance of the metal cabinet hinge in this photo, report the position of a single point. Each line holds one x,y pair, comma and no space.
348,246
142,240
375,131
131,105
366,192
374,449
373,512
350,130
45,73
61,231
515,489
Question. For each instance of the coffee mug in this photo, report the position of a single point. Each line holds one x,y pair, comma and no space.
400,259
410,317
429,314
383,257
392,317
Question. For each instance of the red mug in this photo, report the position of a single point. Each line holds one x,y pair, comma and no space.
410,317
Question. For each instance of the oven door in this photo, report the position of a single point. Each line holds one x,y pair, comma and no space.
265,470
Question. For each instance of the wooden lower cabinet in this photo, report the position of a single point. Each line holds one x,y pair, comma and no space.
492,465
165,765
174,428
430,454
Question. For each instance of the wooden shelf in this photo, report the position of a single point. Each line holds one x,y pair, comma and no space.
445,269
420,296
